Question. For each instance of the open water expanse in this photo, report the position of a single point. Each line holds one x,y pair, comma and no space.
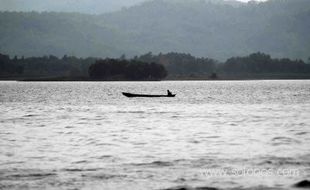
87,135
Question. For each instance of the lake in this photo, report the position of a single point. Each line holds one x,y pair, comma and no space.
220,134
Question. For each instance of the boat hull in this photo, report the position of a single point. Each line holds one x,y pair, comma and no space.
130,95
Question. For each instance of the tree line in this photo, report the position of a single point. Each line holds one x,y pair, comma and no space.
263,63
45,66
149,66
181,64
9,67
121,69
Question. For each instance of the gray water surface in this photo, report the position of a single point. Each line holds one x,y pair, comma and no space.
86,135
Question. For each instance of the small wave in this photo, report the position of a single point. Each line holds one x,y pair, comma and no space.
105,144
104,157
130,112
11,163
36,157
30,115
194,141
165,112
103,176
82,123
302,133
42,125
155,164
282,161
80,170
261,187
213,188
283,140
31,175
190,188
212,137
80,162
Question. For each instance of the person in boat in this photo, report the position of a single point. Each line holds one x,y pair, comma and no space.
169,93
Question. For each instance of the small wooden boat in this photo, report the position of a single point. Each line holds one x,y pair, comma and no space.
130,95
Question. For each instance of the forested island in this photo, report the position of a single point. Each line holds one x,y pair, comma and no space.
170,66
121,69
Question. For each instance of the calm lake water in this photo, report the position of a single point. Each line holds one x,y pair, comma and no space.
86,135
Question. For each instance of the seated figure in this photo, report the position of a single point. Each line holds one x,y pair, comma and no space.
169,93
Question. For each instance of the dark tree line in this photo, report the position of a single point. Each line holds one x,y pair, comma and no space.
263,63
149,67
46,66
118,69
9,67
181,63
256,63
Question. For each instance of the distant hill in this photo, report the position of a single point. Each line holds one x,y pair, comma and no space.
81,6
280,28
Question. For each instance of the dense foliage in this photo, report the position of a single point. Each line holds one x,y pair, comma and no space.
202,28
46,66
152,67
115,69
181,63
263,63
9,67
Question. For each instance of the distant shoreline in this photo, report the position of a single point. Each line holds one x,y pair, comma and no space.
169,78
